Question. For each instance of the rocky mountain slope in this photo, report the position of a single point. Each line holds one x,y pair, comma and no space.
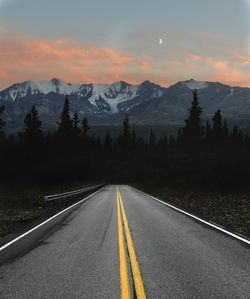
103,104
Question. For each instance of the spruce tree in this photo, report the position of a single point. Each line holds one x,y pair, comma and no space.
107,142
65,127
85,127
76,129
208,131
2,122
171,141
134,138
236,136
179,137
152,140
32,125
225,130
217,127
193,130
126,127
124,140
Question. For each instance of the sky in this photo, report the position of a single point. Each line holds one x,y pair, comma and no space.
96,41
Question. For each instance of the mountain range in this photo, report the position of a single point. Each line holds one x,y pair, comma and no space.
147,103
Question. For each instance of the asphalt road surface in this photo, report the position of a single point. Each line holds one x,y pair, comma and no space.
122,244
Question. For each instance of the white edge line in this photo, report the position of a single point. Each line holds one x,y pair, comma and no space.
195,217
46,221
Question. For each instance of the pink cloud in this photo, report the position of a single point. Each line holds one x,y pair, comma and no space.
40,59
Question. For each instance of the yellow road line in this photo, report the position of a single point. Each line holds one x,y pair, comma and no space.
138,282
124,278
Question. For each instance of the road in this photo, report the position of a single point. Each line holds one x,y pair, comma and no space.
120,243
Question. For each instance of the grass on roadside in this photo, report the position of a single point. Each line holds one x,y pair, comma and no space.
230,210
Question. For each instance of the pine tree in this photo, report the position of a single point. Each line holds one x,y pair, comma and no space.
193,130
32,125
2,122
65,125
217,127
76,129
124,140
208,131
179,137
134,138
107,142
225,130
171,141
126,127
152,140
236,136
85,127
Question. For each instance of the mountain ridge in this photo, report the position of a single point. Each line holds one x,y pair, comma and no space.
105,104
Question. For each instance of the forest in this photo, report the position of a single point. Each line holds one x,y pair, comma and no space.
203,156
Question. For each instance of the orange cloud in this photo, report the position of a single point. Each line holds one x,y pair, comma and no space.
29,58
39,59
145,65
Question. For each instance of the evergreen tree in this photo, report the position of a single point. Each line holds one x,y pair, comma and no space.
208,131
85,127
107,142
65,125
193,130
171,141
76,129
32,125
134,138
126,127
179,137
225,130
236,136
165,140
124,141
2,122
217,127
152,140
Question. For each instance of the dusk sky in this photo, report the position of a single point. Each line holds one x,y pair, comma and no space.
106,41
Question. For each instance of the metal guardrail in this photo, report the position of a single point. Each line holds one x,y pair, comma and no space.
52,197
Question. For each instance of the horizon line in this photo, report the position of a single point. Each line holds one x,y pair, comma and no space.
119,81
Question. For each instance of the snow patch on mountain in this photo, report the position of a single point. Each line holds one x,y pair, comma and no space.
113,94
21,90
193,84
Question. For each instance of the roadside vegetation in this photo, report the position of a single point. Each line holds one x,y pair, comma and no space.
227,209
204,167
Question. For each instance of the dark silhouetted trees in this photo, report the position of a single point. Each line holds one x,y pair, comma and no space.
2,122
124,140
107,142
217,133
126,127
65,125
85,127
33,125
76,129
193,130
214,157
152,139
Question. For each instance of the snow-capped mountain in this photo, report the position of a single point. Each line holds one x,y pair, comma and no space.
102,97
147,103
93,100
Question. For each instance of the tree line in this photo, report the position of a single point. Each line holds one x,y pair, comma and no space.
201,155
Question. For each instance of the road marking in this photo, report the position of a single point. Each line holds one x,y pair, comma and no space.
196,218
137,278
124,278
46,221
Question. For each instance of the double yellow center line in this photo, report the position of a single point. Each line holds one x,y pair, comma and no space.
123,227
